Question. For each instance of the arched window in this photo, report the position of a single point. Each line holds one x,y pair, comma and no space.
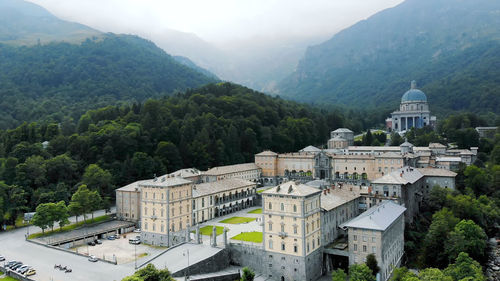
270,244
295,208
270,205
282,206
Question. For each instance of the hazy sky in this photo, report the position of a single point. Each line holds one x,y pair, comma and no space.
219,20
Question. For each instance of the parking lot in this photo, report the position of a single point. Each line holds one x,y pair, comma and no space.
120,249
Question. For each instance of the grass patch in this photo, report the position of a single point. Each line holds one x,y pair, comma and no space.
69,227
7,278
262,190
253,236
156,246
142,255
237,220
256,211
207,230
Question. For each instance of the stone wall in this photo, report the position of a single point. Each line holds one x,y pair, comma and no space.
247,255
215,263
221,277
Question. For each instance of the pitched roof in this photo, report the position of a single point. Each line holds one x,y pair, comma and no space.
266,153
433,172
338,197
185,173
132,186
436,145
293,189
342,130
448,159
390,154
219,186
310,148
165,181
403,175
222,170
406,143
378,217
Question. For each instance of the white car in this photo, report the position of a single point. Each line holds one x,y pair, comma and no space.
2,258
93,259
137,230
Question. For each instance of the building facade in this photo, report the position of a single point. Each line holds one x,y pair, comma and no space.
213,199
378,231
166,210
413,111
292,232
247,171
128,202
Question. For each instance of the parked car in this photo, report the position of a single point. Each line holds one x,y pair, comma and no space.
134,241
91,243
11,263
112,237
23,269
93,259
98,242
137,230
30,272
2,258
16,266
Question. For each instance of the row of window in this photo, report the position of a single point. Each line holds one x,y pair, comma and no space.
163,194
374,248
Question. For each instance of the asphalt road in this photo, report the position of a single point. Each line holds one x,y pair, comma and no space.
14,247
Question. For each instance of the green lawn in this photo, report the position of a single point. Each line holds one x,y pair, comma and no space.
207,230
7,278
256,211
237,220
254,236
69,227
262,190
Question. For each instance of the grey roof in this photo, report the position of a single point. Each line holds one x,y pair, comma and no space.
436,145
437,172
291,188
132,186
185,173
310,148
342,130
378,217
220,186
165,181
406,143
390,154
414,95
318,183
403,175
338,197
448,159
222,170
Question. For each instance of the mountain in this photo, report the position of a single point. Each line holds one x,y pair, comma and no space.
51,81
189,63
25,23
451,47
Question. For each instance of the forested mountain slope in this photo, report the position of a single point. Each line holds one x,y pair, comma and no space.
452,48
58,80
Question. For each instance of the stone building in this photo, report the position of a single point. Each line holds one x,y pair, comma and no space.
405,186
442,177
343,133
213,199
247,171
292,232
128,202
413,111
191,174
378,231
166,209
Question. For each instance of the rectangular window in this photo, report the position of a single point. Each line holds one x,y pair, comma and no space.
364,238
355,247
355,237
364,248
295,249
374,249
373,239
270,226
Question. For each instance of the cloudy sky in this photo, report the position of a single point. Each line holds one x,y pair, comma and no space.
219,21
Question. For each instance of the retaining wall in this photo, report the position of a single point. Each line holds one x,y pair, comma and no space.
214,263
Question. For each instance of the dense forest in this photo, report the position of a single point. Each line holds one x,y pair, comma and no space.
450,47
60,81
112,146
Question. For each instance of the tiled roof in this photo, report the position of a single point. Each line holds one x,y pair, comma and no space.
291,188
185,173
436,145
378,217
219,186
342,130
310,148
222,170
338,197
403,175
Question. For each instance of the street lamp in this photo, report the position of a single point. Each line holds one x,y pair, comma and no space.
135,254
187,269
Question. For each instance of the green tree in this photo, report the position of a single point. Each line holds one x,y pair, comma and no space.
465,267
371,262
248,274
360,272
467,237
44,216
95,202
150,273
433,274
433,246
99,179
402,274
62,214
339,275
81,202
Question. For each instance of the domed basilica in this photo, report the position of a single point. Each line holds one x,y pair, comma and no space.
413,112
